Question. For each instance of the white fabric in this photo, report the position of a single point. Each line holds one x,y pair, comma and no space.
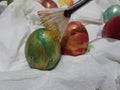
3,5
97,69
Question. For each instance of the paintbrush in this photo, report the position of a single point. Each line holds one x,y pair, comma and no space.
56,19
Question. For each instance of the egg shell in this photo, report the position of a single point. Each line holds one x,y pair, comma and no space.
75,39
42,49
49,4
111,12
112,28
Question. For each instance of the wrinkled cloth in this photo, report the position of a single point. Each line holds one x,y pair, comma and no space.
97,69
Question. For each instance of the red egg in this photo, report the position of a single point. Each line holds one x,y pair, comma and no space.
112,28
75,39
48,3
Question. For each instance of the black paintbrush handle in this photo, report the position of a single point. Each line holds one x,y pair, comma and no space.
77,5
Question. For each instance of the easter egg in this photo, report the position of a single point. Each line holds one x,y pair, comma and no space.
66,2
110,12
75,39
42,49
49,4
112,28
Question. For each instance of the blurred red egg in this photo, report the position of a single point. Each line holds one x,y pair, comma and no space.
75,39
112,28
49,4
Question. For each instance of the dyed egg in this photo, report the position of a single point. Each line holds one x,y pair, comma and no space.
42,49
110,12
66,2
48,3
112,28
75,39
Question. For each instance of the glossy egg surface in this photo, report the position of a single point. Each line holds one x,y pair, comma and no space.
112,28
110,12
75,39
42,49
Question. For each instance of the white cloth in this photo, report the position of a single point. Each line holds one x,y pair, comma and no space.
99,68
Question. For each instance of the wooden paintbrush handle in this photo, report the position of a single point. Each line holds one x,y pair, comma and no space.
77,5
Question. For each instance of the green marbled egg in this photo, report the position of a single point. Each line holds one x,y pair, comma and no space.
111,12
42,49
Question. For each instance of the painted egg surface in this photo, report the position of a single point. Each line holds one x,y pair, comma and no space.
110,12
75,39
49,4
42,49
112,28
